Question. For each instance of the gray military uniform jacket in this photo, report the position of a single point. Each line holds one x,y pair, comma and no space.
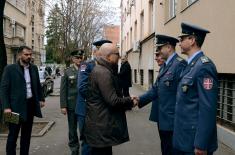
68,88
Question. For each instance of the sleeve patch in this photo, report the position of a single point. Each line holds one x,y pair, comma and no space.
83,68
207,83
205,59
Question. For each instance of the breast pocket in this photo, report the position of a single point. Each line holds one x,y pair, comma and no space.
72,81
168,80
186,84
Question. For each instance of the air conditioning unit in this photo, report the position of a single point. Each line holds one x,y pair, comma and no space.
136,46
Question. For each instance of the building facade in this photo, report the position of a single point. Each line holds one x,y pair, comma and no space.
24,25
142,19
112,33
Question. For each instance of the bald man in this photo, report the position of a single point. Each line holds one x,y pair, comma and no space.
105,122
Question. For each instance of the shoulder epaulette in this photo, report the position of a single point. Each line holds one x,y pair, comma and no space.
179,59
205,59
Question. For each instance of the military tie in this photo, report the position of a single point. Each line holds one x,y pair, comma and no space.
162,68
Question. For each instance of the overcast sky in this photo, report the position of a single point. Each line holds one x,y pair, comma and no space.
114,4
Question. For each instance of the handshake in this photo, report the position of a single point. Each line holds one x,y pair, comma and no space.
135,100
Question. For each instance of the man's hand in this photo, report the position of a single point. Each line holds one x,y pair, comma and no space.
7,111
42,104
64,111
200,152
135,100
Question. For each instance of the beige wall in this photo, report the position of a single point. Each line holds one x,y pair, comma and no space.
131,14
18,15
214,15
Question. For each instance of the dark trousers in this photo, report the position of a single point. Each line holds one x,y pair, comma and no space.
101,151
73,136
166,142
178,152
26,130
125,91
86,149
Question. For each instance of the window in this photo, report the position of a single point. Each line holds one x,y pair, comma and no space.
20,31
141,77
131,41
172,8
127,41
150,16
226,101
150,78
13,31
135,31
189,2
4,26
135,75
142,25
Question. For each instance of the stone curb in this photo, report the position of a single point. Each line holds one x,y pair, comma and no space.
42,132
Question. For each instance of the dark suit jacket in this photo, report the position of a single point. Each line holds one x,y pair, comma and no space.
13,90
125,75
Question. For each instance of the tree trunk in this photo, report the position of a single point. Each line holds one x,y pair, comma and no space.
3,55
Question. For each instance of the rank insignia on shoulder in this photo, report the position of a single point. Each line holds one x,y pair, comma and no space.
179,58
205,59
83,68
184,88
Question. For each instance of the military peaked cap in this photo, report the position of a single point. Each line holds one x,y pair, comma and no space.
164,39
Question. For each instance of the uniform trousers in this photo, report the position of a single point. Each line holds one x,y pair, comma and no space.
73,136
86,149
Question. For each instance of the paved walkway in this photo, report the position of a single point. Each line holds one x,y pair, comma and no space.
144,139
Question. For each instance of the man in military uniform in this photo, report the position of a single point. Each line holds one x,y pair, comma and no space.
83,76
164,91
68,97
195,116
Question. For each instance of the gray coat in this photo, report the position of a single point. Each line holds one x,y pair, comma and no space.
105,122
13,90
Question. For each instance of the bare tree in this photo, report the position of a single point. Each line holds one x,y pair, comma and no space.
82,22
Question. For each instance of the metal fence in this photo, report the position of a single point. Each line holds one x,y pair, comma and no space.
226,101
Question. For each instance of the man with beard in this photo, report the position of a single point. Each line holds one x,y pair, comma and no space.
68,98
21,93
105,121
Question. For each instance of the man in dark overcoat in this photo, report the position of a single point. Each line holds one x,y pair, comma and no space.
21,93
